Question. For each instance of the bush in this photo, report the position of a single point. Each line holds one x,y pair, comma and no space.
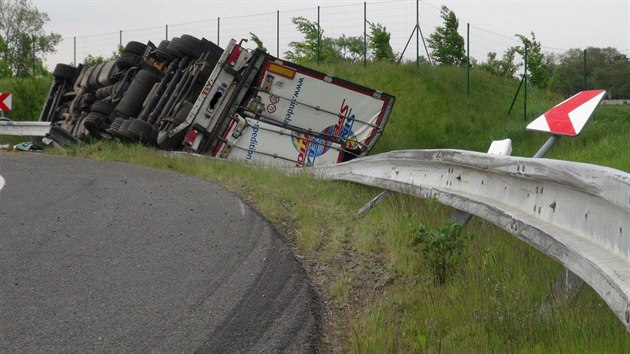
28,96
442,248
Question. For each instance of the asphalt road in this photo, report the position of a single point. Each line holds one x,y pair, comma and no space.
109,257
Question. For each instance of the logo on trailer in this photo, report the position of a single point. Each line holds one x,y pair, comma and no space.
293,102
253,141
343,128
310,147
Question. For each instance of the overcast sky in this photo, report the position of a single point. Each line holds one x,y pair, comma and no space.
558,24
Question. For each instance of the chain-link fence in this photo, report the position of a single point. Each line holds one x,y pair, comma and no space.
277,31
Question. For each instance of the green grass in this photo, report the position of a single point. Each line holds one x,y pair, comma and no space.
379,294
28,96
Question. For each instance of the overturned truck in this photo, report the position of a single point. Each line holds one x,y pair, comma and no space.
189,94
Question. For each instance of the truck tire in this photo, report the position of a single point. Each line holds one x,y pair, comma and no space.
131,103
102,107
127,60
141,129
64,72
122,130
136,48
172,48
113,128
94,122
162,51
189,45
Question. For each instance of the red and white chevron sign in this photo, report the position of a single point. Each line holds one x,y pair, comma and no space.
570,116
5,101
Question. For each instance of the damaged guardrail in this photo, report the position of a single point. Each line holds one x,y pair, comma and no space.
37,130
576,213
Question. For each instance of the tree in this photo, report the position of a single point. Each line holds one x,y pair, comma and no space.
5,68
606,68
21,31
539,69
447,45
349,48
379,43
503,67
613,78
259,42
92,60
314,44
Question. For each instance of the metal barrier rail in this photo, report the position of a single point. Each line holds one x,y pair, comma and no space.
57,135
24,128
577,213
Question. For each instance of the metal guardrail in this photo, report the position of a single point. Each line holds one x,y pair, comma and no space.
576,213
24,128
58,136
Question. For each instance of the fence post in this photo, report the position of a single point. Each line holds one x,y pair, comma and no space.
319,36
468,59
75,51
278,33
417,33
218,29
526,83
585,85
120,39
33,56
364,34
167,32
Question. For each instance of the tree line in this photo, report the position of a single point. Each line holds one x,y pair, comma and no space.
566,73
24,45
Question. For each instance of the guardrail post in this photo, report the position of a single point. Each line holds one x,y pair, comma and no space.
564,292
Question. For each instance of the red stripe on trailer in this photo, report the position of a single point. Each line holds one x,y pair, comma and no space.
236,52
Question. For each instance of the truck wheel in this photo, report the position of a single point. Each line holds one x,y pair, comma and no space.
64,72
162,51
93,122
172,48
127,60
143,130
123,132
136,48
102,107
131,103
113,128
189,45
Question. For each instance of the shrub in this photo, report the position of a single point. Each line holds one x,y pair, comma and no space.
443,248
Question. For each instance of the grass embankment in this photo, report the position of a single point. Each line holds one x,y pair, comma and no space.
28,97
379,294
